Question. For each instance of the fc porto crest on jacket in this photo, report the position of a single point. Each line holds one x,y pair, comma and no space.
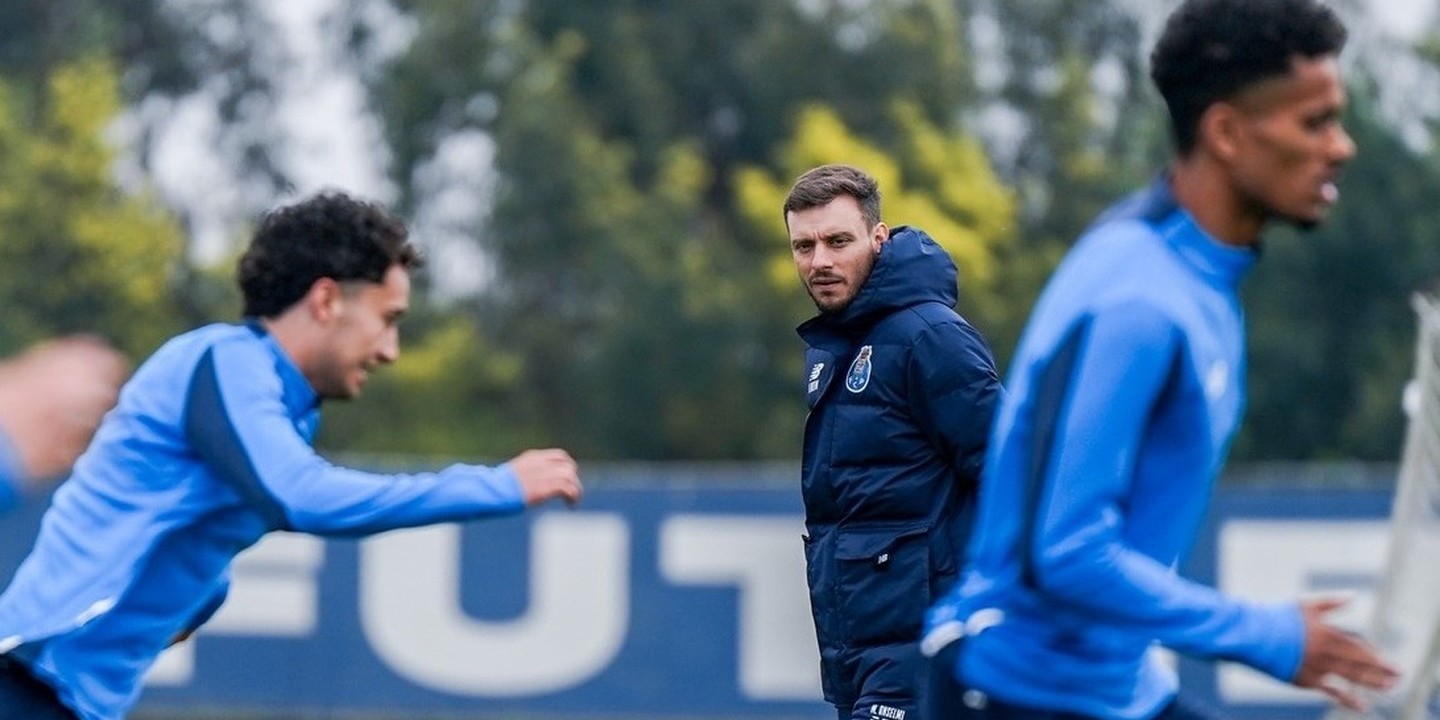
859,376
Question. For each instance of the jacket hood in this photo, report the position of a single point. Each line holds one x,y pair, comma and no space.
911,269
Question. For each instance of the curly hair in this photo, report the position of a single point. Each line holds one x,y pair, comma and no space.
818,186
329,235
1212,49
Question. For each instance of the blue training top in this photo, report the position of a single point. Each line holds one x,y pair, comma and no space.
1123,396
207,450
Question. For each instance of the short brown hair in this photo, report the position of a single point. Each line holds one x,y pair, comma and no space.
818,186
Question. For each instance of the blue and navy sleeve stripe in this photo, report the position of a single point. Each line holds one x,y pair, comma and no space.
1052,389
213,436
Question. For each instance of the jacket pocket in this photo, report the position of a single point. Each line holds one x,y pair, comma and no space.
820,579
882,582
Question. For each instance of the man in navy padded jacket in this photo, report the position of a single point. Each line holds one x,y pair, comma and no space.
901,391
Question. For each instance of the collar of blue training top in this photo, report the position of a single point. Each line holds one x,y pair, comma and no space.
299,397
1224,265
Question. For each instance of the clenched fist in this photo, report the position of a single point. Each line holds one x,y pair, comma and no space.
548,474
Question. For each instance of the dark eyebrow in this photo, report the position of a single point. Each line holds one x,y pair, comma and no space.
842,235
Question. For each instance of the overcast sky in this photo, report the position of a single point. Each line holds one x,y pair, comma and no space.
1405,18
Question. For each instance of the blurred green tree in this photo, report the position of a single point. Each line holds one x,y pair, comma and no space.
635,300
1065,100
631,312
622,271
723,76
77,252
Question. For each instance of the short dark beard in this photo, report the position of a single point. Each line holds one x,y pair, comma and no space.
835,311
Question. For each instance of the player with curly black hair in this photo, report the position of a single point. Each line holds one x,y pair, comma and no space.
362,242
210,448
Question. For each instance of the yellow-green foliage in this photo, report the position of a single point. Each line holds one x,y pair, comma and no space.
76,252
937,180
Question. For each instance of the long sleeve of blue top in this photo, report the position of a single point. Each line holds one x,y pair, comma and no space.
238,425
208,449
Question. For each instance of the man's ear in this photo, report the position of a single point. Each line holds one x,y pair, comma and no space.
1221,127
879,235
322,301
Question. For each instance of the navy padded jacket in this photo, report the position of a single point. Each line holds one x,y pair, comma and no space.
901,391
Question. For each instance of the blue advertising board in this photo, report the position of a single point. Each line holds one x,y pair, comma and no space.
654,599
